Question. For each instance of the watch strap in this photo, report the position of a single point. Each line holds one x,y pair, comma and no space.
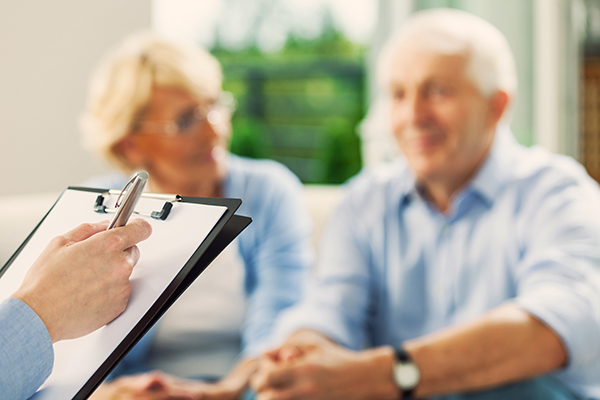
402,356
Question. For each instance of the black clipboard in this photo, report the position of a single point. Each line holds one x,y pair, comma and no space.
221,234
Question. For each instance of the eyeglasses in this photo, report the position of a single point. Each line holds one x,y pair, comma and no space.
216,113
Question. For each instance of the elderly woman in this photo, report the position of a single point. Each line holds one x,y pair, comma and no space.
158,106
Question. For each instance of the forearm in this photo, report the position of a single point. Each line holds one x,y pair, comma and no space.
26,353
506,344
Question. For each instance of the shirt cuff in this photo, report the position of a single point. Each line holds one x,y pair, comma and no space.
572,318
26,352
327,322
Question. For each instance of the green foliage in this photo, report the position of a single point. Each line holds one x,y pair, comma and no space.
341,153
247,139
299,106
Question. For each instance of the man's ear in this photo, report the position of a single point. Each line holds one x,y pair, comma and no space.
130,152
498,105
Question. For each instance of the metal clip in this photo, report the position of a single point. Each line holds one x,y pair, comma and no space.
162,215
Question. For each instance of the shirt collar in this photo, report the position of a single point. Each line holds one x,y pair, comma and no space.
406,188
488,181
495,171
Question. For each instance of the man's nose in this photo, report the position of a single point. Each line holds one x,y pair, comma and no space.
413,110
418,109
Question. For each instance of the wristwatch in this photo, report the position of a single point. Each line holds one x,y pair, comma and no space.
406,373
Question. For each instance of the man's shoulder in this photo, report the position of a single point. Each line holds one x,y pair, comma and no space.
538,166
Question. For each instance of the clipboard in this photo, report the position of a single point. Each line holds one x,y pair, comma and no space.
188,234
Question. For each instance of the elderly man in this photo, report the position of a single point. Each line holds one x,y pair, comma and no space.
472,265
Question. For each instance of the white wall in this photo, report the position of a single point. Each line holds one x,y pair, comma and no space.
559,27
47,51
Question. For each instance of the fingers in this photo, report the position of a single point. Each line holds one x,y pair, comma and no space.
155,383
284,353
286,373
85,231
272,376
266,364
272,355
274,367
124,237
289,353
135,231
132,256
84,277
165,387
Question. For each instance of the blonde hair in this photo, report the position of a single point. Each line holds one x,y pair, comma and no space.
122,84
491,65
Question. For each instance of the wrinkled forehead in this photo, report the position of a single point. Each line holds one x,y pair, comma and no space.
434,42
412,63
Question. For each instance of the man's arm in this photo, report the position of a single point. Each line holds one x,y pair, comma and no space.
26,354
504,345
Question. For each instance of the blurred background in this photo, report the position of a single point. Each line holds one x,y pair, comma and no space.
302,72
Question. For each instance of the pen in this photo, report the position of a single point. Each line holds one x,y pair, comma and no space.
131,194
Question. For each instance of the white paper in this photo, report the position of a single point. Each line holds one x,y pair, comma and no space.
162,256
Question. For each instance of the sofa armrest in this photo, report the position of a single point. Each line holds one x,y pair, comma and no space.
321,201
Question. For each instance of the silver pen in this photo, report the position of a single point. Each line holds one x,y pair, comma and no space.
131,194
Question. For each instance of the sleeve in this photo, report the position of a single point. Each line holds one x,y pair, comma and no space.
26,353
338,296
277,257
558,279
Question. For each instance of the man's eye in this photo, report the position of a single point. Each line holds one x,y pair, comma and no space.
398,94
438,90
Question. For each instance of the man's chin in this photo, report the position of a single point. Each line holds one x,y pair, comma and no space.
426,167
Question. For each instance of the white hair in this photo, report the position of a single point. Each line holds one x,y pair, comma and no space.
491,65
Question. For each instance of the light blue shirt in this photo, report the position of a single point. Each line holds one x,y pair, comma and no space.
275,248
525,230
26,354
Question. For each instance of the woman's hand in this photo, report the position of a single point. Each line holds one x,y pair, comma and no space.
150,386
160,386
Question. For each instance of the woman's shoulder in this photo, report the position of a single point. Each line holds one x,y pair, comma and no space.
263,176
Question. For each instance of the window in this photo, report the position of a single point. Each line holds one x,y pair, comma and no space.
297,69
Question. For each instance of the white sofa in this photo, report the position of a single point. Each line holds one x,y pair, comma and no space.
20,214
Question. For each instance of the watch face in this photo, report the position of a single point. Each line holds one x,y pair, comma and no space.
406,375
